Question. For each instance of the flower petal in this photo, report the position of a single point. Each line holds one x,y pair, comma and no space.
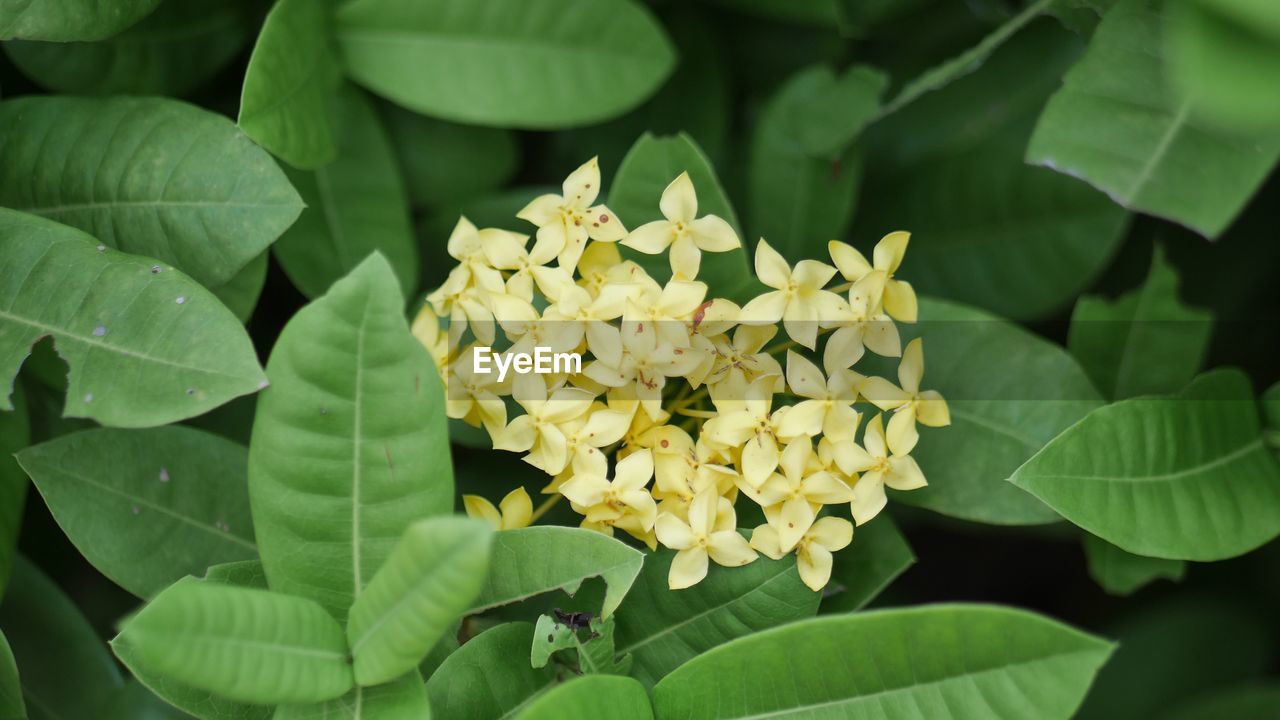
679,202
853,265
688,568
714,234
889,251
730,549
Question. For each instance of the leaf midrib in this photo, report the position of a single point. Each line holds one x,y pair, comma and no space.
1219,461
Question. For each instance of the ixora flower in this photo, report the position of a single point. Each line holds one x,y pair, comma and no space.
681,411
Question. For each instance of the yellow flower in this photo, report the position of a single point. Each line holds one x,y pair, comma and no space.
538,431
813,551
686,236
426,328
515,510
474,397
791,499
467,245
623,502
909,403
797,298
899,298
741,359
828,407
710,533
645,362
506,251
866,327
879,465
670,311
748,423
565,222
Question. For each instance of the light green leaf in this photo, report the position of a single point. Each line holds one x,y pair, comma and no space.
595,655
662,629
531,561
176,49
829,112
240,294
149,176
11,705
349,443
428,580
66,671
998,419
242,573
284,104
794,200
935,661
355,205
1182,477
1146,342
147,507
878,555
1122,573
987,230
1253,702
401,699
145,344
463,686
255,646
135,702
15,434
1141,162
446,163
592,697
70,20
651,165
533,64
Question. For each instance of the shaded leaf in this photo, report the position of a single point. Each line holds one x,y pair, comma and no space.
149,176
446,163
596,654
11,705
15,434
401,699
240,294
514,63
145,346
147,507
349,442
1254,702
1122,573
463,686
135,702
591,697
71,20
878,555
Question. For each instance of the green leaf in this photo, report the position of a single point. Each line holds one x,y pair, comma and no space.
401,699
878,555
663,629
463,686
535,64
936,661
70,20
66,671
446,163
999,419
284,104
11,705
242,573
240,293
1141,162
15,434
145,346
349,443
147,507
135,702
1146,342
988,230
651,165
179,47
427,582
595,655
592,697
794,200
531,561
355,205
243,644
1182,477
150,176
1122,573
829,112
1271,407
1254,702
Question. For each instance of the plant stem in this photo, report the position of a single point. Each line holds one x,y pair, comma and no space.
542,509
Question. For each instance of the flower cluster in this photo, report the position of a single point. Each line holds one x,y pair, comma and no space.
684,394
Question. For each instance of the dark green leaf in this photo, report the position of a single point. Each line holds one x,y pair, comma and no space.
71,19
11,705
240,293
1257,702
147,507
135,702
463,686
15,434
446,163
590,698
1122,573
145,344
879,554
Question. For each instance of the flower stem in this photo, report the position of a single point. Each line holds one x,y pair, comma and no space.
542,509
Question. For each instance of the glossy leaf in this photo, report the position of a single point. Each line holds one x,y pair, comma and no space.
591,697
663,629
1122,573
446,163
355,205
349,442
242,644
11,705
533,64
1143,343
176,49
146,345
71,20
401,699
284,105
535,560
998,419
463,686
15,434
147,507
1182,477
1143,162
936,661
56,649
878,555
651,164
149,176
427,582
